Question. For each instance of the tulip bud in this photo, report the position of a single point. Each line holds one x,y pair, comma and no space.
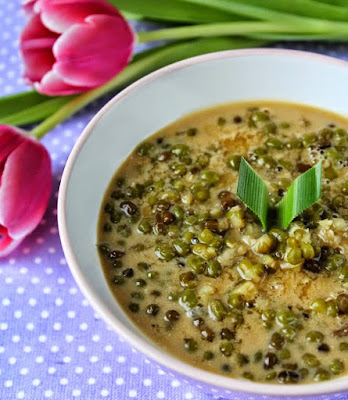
26,180
72,46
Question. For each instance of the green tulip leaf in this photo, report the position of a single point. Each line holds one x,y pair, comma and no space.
173,10
19,101
29,112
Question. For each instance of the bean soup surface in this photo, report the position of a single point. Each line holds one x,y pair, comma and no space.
189,262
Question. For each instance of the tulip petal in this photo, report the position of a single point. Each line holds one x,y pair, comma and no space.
25,188
90,54
52,84
7,244
59,15
10,139
28,6
36,43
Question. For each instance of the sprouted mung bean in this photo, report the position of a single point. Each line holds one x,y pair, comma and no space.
190,265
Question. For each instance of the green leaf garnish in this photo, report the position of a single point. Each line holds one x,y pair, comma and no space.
253,192
302,193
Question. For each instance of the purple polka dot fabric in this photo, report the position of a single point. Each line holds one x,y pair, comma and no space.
52,343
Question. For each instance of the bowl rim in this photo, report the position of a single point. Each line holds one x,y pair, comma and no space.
150,349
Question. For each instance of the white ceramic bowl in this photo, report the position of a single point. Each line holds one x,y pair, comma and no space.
146,106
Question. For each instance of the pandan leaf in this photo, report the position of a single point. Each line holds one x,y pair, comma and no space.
252,190
304,191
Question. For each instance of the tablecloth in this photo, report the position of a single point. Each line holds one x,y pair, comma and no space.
52,343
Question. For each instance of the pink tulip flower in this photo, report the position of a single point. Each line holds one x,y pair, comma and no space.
25,186
70,46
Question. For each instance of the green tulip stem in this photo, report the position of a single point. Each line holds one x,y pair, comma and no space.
324,29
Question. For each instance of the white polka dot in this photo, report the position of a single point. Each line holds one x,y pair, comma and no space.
8,383
16,338
81,349
107,370
147,382
73,290
160,394
35,280
76,392
17,314
36,382
57,326
47,290
132,393
91,381
37,260
20,290
48,393
51,370
104,393
69,338
62,261
24,371
20,395
2,349
134,370
27,349
12,261
108,348
59,301
175,383
12,360
71,314
160,372
83,326
96,338
67,359
188,396
3,326
49,271
94,359
63,381
51,250
39,359
44,314
8,280
42,338
85,302
26,250
121,359
29,326
6,302
53,230
23,270
119,381
78,370
54,349
32,302
61,281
